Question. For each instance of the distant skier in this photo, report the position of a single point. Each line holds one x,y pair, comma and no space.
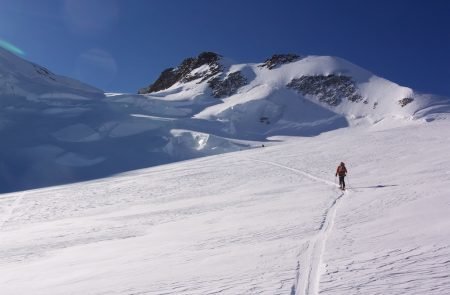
342,172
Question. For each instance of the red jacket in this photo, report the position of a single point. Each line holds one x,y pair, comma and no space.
341,170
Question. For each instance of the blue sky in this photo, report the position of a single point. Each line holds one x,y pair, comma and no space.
122,45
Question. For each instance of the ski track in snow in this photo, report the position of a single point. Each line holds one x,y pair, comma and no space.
316,247
308,283
296,171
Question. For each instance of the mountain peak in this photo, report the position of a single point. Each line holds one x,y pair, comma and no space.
184,72
342,88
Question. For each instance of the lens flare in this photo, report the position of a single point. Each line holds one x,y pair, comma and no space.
8,46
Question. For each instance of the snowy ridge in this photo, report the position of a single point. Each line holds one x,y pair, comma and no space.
22,78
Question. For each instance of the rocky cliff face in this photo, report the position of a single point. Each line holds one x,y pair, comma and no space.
205,67
227,86
330,89
279,59
185,72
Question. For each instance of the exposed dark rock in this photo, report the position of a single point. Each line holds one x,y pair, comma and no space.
404,101
228,86
375,104
331,89
264,120
279,59
205,58
166,79
183,72
43,71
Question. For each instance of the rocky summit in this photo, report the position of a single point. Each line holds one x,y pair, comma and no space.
207,66
184,72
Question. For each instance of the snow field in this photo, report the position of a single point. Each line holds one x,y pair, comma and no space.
261,221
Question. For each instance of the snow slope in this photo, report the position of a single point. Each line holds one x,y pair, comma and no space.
262,221
19,77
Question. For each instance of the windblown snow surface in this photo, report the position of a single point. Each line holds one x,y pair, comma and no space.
245,220
263,221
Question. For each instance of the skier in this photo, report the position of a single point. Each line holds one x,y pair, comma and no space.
342,172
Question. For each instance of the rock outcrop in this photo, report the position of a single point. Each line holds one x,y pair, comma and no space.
404,101
228,86
183,73
44,72
205,67
330,89
279,59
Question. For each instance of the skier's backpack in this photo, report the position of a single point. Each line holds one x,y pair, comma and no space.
341,170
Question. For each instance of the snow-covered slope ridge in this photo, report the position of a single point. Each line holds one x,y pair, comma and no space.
19,77
58,130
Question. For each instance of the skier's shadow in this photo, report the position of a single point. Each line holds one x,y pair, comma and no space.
376,186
